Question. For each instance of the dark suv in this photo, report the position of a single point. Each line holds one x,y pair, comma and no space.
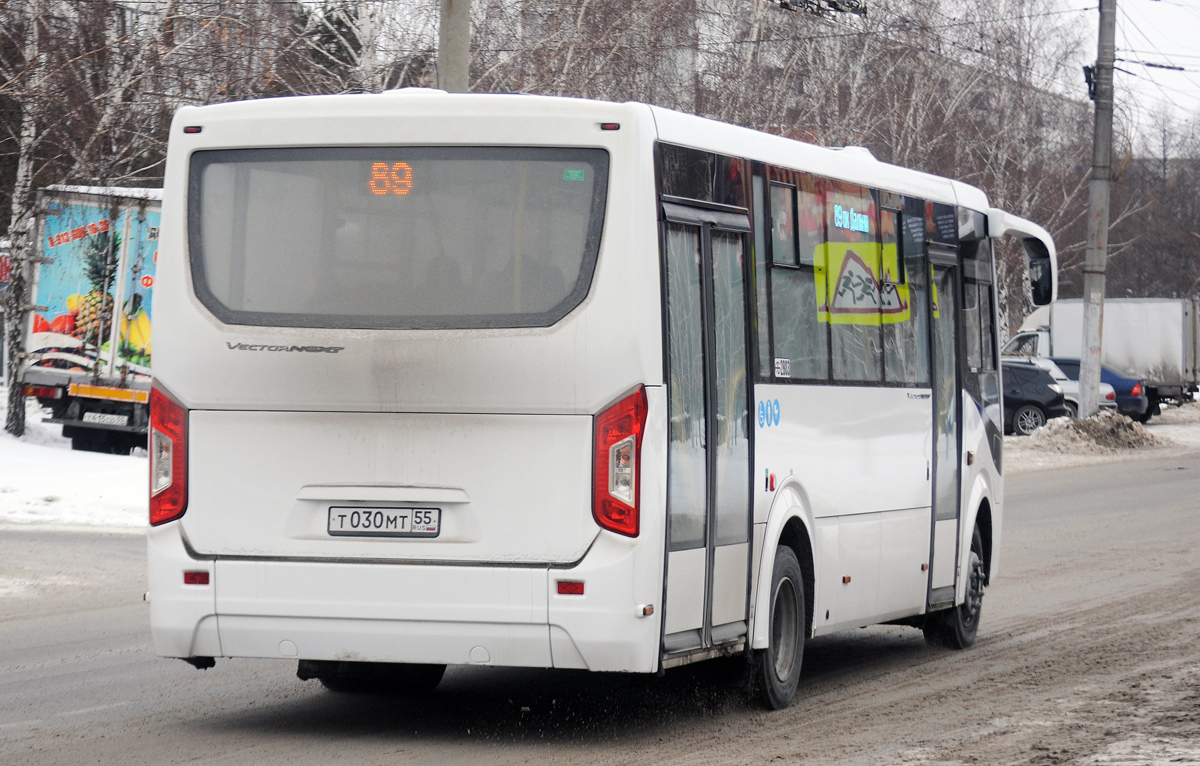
1031,397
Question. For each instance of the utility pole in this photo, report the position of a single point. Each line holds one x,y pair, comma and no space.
1097,221
454,45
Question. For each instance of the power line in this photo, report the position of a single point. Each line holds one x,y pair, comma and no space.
1174,55
1161,87
1147,38
1152,65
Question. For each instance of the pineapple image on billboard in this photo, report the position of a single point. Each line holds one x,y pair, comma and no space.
94,309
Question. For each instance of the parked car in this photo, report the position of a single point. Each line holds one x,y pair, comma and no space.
1031,397
1070,386
1130,393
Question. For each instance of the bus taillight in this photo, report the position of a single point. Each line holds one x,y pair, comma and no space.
617,461
168,458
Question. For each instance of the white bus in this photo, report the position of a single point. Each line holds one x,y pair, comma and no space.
513,380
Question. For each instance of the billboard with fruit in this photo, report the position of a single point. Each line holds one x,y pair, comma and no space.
94,291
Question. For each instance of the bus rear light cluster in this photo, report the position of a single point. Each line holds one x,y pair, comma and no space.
617,458
168,458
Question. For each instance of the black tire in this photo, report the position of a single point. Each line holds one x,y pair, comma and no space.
1028,418
1152,409
372,677
777,668
1072,410
957,627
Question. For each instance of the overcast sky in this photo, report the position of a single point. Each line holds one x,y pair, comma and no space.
1157,32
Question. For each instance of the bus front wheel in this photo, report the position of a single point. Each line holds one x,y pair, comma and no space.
956,627
777,668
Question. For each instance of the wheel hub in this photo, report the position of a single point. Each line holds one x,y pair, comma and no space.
975,587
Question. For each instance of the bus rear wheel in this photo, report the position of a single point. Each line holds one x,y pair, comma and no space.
777,668
957,627
372,677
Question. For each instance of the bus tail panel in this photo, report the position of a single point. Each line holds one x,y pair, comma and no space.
444,488
424,614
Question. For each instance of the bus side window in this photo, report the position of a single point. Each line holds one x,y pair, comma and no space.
977,305
783,225
853,296
763,324
797,274
905,331
987,328
971,326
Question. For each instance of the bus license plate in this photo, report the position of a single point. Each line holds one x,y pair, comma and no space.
384,522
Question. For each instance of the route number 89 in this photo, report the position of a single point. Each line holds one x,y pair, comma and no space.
394,180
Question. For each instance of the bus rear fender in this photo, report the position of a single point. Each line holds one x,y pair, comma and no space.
788,523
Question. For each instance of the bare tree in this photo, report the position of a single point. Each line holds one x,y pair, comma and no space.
981,90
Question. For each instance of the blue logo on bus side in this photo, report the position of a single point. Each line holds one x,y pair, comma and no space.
768,413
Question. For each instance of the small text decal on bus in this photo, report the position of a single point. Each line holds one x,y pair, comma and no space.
848,219
264,347
768,413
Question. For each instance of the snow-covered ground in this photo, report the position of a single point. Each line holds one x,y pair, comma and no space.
43,481
1176,430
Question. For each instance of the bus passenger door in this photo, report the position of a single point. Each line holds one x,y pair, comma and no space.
946,428
708,455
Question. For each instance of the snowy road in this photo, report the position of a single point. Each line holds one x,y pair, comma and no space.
1089,653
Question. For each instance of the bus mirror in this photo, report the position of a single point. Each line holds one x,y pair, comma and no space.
1041,259
1041,272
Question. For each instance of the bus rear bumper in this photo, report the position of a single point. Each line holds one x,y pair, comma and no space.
435,614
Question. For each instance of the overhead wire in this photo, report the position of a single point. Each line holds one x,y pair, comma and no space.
1164,58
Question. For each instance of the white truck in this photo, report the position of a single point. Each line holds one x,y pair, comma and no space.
87,348
1152,339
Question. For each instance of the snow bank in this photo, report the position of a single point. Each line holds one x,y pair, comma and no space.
1104,432
42,481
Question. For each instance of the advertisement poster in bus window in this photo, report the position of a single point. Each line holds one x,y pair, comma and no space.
77,321
856,290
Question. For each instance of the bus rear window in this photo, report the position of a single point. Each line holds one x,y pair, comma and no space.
395,237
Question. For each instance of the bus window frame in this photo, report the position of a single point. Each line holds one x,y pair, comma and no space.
883,200
199,161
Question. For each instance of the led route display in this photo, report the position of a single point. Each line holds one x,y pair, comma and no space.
386,180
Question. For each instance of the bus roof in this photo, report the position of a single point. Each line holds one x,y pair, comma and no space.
852,164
